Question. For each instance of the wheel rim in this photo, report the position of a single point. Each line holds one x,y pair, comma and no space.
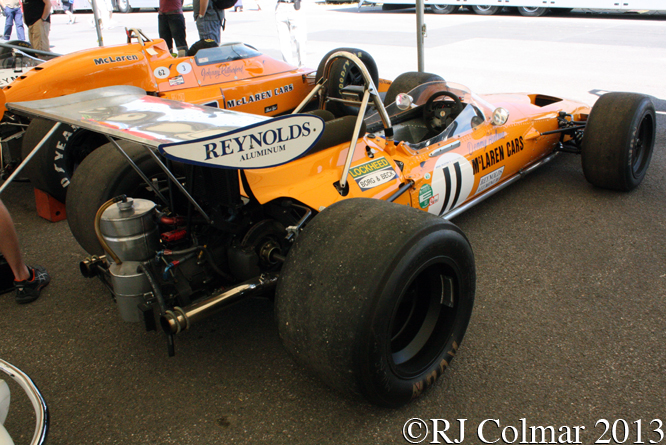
531,9
423,320
642,144
484,8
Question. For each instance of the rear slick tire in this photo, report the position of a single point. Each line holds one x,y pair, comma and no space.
384,320
52,168
618,141
101,176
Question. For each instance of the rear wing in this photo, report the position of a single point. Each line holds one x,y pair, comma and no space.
188,133
181,131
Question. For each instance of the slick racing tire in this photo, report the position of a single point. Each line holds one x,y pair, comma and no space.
382,319
343,73
101,176
406,82
618,141
443,9
486,9
532,11
52,168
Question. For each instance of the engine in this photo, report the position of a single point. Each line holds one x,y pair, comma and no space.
178,269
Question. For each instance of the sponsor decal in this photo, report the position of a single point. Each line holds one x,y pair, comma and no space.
222,71
267,144
426,197
515,146
262,95
488,159
178,80
496,154
452,180
373,173
490,179
161,72
270,108
483,143
115,59
183,68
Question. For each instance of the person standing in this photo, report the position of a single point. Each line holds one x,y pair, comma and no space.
291,26
68,7
171,25
13,14
209,20
38,18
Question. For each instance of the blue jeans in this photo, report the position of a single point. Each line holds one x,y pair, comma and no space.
14,15
210,25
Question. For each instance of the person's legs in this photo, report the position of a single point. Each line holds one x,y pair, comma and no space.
46,29
284,34
164,30
35,34
9,245
9,21
28,281
209,28
177,27
18,19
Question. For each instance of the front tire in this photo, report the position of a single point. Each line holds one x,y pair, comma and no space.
532,11
375,298
486,9
619,140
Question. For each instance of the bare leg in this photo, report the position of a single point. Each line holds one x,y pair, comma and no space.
9,246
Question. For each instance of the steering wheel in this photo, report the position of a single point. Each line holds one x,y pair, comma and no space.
435,113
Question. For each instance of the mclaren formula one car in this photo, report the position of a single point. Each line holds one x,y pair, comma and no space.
340,214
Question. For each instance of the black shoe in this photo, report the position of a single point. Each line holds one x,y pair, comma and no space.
27,291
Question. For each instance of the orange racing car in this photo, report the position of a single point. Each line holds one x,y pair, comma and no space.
341,216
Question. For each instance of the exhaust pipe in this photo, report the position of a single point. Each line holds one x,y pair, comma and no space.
180,319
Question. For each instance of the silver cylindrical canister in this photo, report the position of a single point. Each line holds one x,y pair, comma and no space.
129,229
130,286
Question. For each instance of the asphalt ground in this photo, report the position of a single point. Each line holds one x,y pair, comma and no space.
568,325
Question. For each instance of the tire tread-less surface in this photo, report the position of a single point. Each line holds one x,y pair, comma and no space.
375,297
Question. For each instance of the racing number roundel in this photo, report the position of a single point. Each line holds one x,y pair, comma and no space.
452,182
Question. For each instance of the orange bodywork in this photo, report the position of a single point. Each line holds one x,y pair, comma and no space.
483,158
256,85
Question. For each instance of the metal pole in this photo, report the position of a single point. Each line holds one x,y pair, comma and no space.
30,156
420,33
100,40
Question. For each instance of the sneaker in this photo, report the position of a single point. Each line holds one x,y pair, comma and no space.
27,291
